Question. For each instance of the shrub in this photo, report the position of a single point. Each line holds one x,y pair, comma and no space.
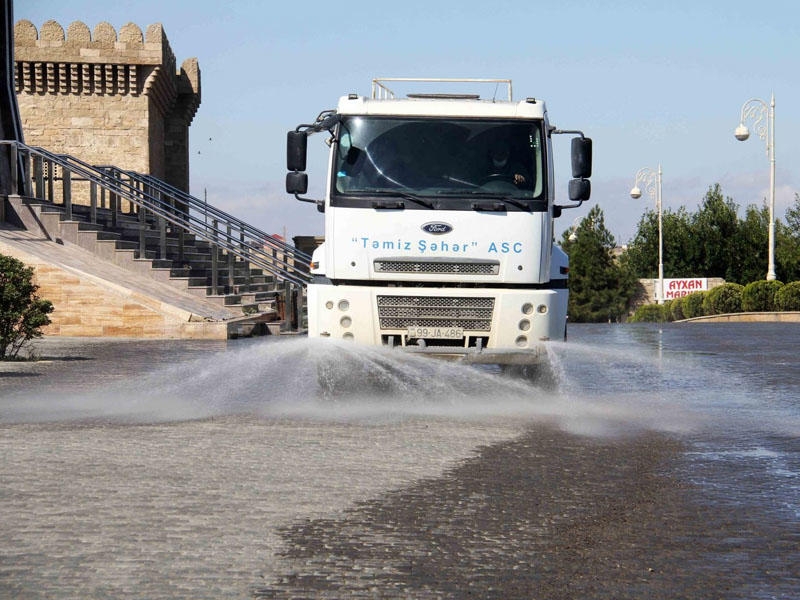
759,296
723,299
22,312
788,297
676,309
652,313
692,305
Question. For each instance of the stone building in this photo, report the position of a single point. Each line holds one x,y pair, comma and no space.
107,97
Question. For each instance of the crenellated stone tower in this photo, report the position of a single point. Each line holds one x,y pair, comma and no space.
107,97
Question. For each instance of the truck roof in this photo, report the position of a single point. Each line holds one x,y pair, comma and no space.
384,101
441,106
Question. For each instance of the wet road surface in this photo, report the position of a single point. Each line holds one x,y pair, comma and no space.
592,493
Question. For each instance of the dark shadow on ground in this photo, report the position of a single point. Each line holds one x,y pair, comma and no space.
547,516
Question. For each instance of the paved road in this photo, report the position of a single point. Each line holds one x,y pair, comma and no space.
193,509
248,504
238,507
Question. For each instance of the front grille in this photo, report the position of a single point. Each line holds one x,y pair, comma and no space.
400,312
437,267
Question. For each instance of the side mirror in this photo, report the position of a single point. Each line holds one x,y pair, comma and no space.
296,150
297,183
581,158
580,190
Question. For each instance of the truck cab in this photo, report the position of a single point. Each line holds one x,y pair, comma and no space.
439,212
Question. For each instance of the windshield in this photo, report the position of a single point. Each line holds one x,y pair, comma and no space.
438,162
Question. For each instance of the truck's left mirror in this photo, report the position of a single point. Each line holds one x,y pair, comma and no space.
581,157
296,148
579,190
296,183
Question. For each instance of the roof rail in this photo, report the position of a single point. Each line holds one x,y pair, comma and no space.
382,92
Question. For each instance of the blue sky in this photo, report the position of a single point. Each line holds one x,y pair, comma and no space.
650,81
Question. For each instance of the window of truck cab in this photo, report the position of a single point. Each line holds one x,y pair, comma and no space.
450,162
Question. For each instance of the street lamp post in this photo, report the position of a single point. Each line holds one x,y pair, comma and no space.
758,111
574,229
651,180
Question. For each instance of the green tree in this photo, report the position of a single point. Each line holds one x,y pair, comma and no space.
600,286
752,242
22,312
680,248
678,245
787,244
715,242
715,228
641,255
793,217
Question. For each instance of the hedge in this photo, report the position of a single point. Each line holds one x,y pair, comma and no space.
723,299
652,313
759,296
692,305
788,297
676,309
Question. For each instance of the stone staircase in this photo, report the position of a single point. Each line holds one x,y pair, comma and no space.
253,298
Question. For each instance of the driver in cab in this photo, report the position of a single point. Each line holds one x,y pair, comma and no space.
502,168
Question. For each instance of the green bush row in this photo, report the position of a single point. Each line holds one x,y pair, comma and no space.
758,296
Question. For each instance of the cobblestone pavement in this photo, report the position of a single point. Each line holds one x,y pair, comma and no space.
106,504
240,507
193,509
547,515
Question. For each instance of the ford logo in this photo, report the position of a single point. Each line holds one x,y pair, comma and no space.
437,228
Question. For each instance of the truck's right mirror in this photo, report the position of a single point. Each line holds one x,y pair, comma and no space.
297,183
581,158
580,190
296,150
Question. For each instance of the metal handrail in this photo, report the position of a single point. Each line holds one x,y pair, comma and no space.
185,212
205,208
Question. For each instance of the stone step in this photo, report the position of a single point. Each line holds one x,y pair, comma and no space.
188,268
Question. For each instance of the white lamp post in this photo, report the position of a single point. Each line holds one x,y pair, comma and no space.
757,111
574,229
651,180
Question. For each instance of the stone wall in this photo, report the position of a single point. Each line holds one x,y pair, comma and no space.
90,305
107,97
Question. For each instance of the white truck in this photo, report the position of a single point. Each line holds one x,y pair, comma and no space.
439,211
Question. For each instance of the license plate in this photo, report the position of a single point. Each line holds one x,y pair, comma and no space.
436,333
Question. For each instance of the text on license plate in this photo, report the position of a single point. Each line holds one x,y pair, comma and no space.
439,333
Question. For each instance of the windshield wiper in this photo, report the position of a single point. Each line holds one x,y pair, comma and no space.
517,203
490,205
395,194
524,205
